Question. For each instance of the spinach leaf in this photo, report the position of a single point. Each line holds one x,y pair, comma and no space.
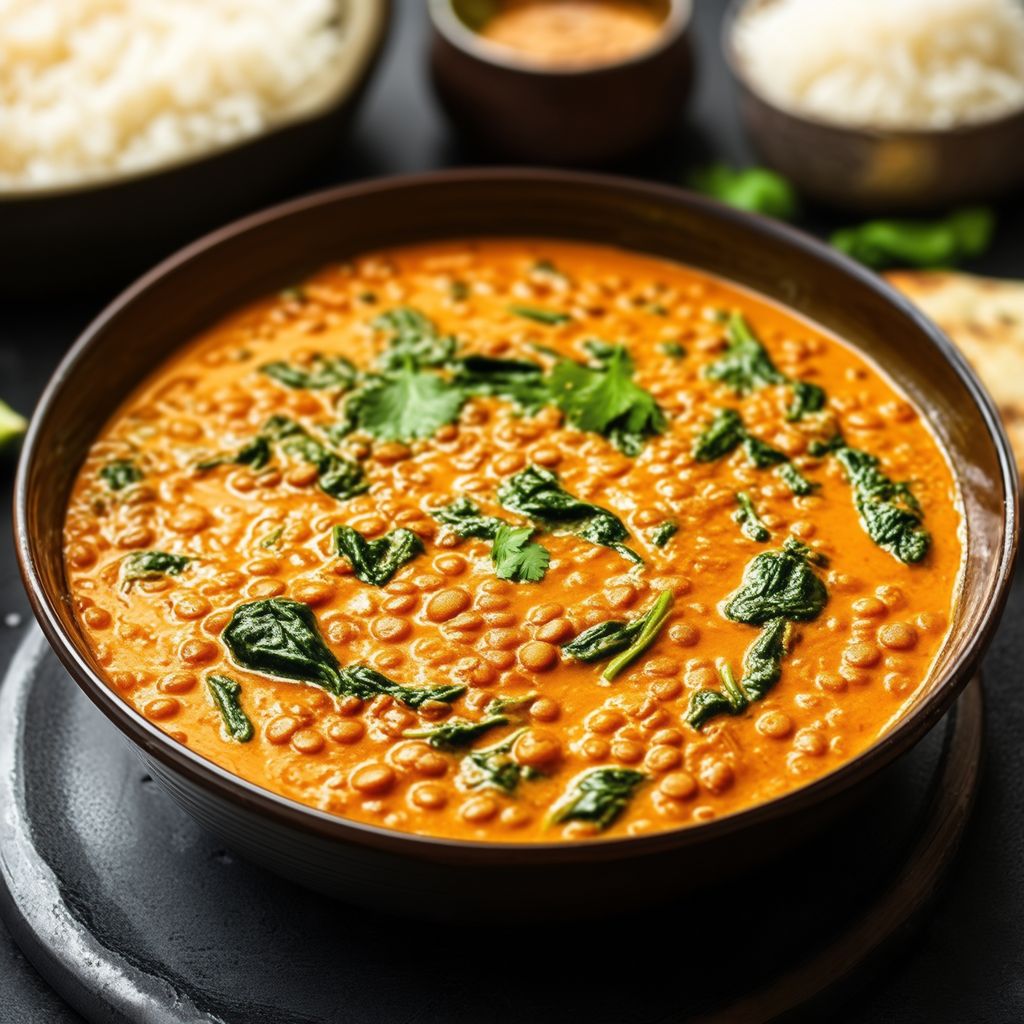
516,380
651,625
673,349
627,639
762,663
796,481
537,494
120,473
466,519
255,453
376,561
226,695
455,733
761,454
414,340
599,796
366,683
323,372
749,521
889,512
747,366
779,584
549,317
762,667
404,405
340,477
725,433
606,400
806,397
279,637
151,565
494,768
663,533
722,435
515,558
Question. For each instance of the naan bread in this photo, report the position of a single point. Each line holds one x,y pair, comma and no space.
985,317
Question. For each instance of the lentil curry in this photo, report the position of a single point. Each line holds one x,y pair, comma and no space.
517,540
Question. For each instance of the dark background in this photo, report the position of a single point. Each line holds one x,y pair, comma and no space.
967,962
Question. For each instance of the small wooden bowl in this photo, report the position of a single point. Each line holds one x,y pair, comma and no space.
877,169
560,115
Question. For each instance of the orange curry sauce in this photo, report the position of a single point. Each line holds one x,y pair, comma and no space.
258,533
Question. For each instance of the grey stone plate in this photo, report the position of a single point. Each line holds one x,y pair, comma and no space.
136,915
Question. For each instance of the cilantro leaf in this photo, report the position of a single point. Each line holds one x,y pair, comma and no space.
606,400
404,405
550,317
516,558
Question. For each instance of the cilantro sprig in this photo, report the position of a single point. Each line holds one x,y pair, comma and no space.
516,557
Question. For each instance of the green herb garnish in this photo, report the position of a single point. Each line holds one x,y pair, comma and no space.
673,349
889,512
279,637
516,380
537,494
606,400
376,561
549,317
756,189
494,768
779,584
796,481
413,339
748,519
120,473
323,372
516,558
627,639
465,518
746,367
962,235
455,733
599,796
226,694
151,565
404,405
663,533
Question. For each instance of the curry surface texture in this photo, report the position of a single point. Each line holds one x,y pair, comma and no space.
204,561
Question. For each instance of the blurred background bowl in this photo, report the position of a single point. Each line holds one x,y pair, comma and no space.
80,235
551,114
876,169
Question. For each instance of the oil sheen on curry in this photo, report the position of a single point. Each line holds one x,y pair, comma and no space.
517,541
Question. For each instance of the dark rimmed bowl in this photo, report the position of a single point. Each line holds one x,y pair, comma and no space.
877,170
78,235
450,878
574,115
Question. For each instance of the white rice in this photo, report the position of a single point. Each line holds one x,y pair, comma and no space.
911,64
90,88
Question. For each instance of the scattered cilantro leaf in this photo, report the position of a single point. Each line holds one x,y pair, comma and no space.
516,558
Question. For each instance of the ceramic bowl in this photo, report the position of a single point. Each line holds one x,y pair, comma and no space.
451,878
573,115
876,170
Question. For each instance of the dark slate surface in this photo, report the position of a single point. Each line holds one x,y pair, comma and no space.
968,964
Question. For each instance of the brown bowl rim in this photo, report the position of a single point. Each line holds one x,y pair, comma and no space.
457,34
737,9
333,101
184,762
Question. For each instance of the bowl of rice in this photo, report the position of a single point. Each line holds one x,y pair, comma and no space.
883,104
126,126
